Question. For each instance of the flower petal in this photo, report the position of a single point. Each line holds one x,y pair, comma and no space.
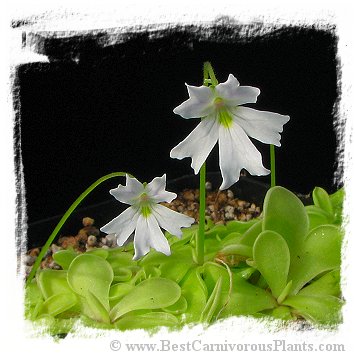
200,103
199,143
123,225
261,125
148,234
235,95
141,238
156,190
236,151
127,194
170,220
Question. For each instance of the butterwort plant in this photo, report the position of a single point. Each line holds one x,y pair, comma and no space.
168,271
225,120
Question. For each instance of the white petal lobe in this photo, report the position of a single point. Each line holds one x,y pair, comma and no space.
199,143
235,95
171,221
127,194
156,190
147,235
261,125
236,152
200,103
141,238
123,225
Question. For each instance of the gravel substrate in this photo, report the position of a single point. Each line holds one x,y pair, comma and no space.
221,206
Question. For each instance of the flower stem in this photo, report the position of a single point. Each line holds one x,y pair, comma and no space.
272,165
209,78
209,73
64,219
200,242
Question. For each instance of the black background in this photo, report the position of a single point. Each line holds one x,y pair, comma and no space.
97,109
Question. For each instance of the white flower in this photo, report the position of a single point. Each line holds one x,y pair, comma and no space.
145,216
223,120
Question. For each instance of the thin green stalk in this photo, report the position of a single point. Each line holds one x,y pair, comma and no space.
200,242
64,219
208,72
272,165
209,78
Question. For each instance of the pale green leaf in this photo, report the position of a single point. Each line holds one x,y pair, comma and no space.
153,293
272,258
319,309
285,214
91,272
150,320
321,252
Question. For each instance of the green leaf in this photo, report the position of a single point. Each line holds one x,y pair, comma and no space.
33,294
328,284
237,249
247,299
148,320
272,259
194,290
153,258
174,271
249,237
215,230
285,214
180,254
261,282
214,301
282,312
317,216
211,274
284,293
152,293
98,312
33,300
91,272
321,199
122,274
98,252
139,276
321,253
179,307
87,321
212,245
337,200
218,283
119,290
121,260
240,226
58,303
112,252
320,309
33,314
151,271
53,282
232,239
187,235
64,257
245,273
